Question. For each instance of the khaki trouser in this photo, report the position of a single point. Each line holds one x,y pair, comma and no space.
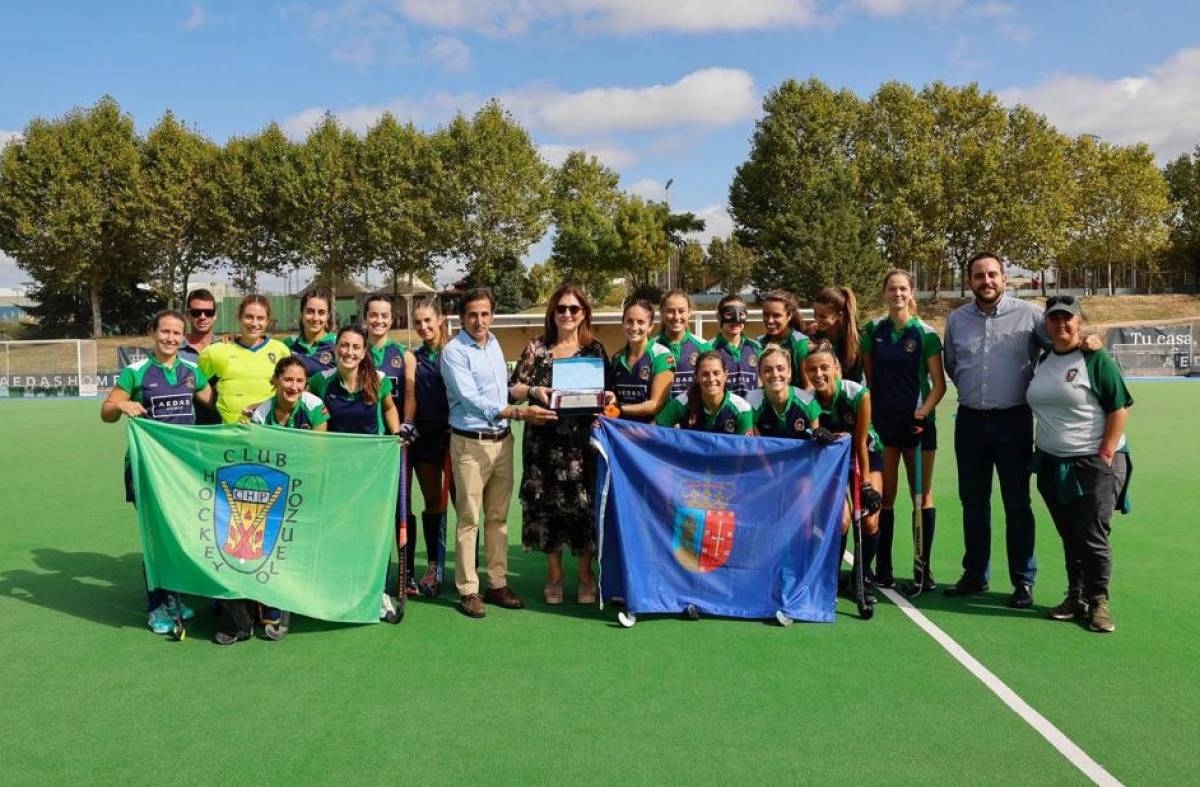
483,485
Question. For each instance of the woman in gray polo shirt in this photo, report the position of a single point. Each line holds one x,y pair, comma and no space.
1082,461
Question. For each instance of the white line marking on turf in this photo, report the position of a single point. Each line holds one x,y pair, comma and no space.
1043,726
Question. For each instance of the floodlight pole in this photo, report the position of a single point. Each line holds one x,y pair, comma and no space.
667,195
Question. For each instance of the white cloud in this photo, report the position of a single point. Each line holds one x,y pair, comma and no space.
717,221
708,97
433,108
512,17
450,53
1157,107
617,158
648,189
890,9
197,18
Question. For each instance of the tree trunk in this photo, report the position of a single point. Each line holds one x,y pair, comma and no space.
97,323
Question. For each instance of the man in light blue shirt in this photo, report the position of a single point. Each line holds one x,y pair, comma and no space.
481,451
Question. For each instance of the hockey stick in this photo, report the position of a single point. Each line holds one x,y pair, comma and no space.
866,610
920,569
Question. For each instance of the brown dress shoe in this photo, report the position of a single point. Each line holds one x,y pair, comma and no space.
503,597
472,606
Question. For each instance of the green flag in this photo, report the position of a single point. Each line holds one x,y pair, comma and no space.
298,520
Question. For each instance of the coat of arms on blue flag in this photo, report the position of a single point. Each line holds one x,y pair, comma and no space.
248,514
736,526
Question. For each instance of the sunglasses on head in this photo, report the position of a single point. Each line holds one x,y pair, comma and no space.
1055,300
198,313
567,308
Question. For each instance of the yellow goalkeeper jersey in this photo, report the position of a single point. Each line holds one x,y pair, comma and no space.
241,375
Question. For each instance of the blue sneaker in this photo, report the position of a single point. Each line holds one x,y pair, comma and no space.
160,620
175,601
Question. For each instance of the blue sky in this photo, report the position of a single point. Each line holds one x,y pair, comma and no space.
658,89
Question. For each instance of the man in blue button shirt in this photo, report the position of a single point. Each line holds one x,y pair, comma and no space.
481,451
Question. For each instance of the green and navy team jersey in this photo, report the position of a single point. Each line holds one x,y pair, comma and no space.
631,384
317,356
900,361
800,413
432,404
1071,395
733,416
686,351
167,393
741,363
849,371
307,413
797,346
389,360
348,412
842,413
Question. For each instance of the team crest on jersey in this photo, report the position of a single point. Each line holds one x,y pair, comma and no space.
702,540
397,361
324,358
799,425
753,360
1072,374
644,373
692,359
910,346
849,419
272,357
729,426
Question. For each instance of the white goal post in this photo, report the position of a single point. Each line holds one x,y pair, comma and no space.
1146,360
47,368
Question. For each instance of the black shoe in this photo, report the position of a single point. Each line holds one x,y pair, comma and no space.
227,638
929,583
1021,598
885,580
965,586
1071,608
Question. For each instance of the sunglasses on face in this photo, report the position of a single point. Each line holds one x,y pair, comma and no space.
198,313
1065,300
568,308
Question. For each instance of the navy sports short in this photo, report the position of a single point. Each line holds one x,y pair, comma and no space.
875,461
432,443
897,433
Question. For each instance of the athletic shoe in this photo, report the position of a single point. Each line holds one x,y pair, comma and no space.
225,638
929,584
429,585
160,620
1072,607
885,581
279,629
268,616
471,605
1099,617
410,588
966,586
387,609
175,600
1021,598
503,597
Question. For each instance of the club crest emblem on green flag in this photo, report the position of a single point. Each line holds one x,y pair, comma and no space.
297,520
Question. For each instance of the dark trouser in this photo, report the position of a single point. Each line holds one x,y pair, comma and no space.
1000,439
1085,522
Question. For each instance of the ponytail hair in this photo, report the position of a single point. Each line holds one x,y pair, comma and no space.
912,299
285,363
640,303
695,404
843,301
432,303
368,378
158,318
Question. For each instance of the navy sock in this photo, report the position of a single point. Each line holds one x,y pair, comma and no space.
928,525
887,532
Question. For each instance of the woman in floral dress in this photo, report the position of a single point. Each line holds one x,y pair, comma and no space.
558,484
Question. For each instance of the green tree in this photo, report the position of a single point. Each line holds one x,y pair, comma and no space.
693,270
797,200
901,180
1123,210
731,262
327,219
643,245
540,282
584,200
256,186
69,197
177,218
968,130
499,190
1183,180
1034,218
404,195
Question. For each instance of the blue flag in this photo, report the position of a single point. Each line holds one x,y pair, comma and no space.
738,526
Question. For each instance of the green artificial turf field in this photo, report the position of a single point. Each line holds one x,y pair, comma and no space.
563,694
